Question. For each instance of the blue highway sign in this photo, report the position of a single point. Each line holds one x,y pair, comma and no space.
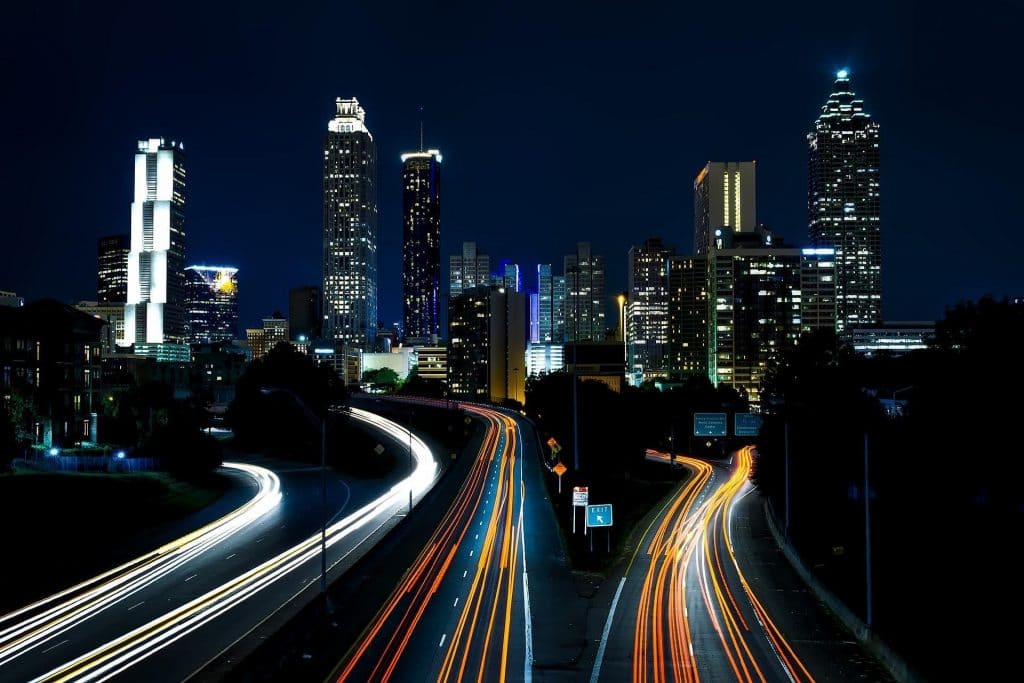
599,515
710,424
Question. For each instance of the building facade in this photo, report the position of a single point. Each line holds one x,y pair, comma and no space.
112,268
155,311
421,244
112,314
688,316
647,322
469,269
843,202
212,301
584,295
486,345
724,196
350,228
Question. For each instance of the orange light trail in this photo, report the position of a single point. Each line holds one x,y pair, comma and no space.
693,539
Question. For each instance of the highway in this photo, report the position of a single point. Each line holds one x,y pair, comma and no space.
684,609
164,615
461,611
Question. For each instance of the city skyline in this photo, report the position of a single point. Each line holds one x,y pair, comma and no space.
241,197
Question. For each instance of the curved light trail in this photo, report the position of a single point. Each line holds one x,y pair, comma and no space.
118,655
478,646
27,627
693,542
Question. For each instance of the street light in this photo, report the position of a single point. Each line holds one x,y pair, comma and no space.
895,406
314,418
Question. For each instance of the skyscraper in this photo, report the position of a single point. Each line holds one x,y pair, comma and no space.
724,196
510,278
688,316
421,244
843,208
647,313
469,269
212,300
486,344
155,310
584,295
350,228
545,304
112,268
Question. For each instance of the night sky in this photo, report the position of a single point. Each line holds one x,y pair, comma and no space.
559,122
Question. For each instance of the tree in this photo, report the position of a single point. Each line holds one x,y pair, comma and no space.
381,379
274,421
8,439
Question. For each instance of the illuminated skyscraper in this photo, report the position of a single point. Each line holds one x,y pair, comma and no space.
112,268
647,313
724,196
155,310
350,228
843,208
212,296
469,269
421,244
584,295
510,278
688,316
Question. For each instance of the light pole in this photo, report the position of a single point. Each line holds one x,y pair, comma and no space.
895,407
867,537
313,417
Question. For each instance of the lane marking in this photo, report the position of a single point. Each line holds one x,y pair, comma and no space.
456,603
230,556
464,573
471,553
54,646
135,605
191,577
443,636
596,673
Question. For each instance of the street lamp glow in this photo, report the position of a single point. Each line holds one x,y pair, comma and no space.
842,74
54,451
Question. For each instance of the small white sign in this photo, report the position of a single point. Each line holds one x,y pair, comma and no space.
580,496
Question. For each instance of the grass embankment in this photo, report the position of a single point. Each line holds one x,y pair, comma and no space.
60,528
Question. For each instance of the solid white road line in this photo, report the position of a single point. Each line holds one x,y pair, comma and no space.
596,673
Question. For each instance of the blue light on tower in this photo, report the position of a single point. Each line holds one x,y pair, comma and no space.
842,74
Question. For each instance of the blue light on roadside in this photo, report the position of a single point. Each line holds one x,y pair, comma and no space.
119,455
54,451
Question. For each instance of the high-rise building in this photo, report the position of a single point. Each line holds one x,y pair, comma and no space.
688,316
112,314
486,349
305,313
421,244
584,295
155,311
757,307
212,300
350,228
510,276
469,269
545,304
843,207
558,309
647,313
724,196
262,340
112,268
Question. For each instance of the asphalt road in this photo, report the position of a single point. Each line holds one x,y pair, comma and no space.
703,599
462,612
170,626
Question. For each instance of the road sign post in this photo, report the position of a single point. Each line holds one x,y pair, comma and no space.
580,498
559,469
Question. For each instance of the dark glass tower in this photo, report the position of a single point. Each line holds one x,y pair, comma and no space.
212,300
843,203
421,244
112,268
350,228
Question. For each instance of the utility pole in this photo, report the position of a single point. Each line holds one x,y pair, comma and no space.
867,535
785,437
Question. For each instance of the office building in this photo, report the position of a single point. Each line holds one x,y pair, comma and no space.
421,244
112,268
510,276
724,196
817,289
843,205
112,315
469,269
155,313
584,295
688,316
432,363
486,349
305,313
647,312
262,340
543,358
893,338
350,228
11,299
212,301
